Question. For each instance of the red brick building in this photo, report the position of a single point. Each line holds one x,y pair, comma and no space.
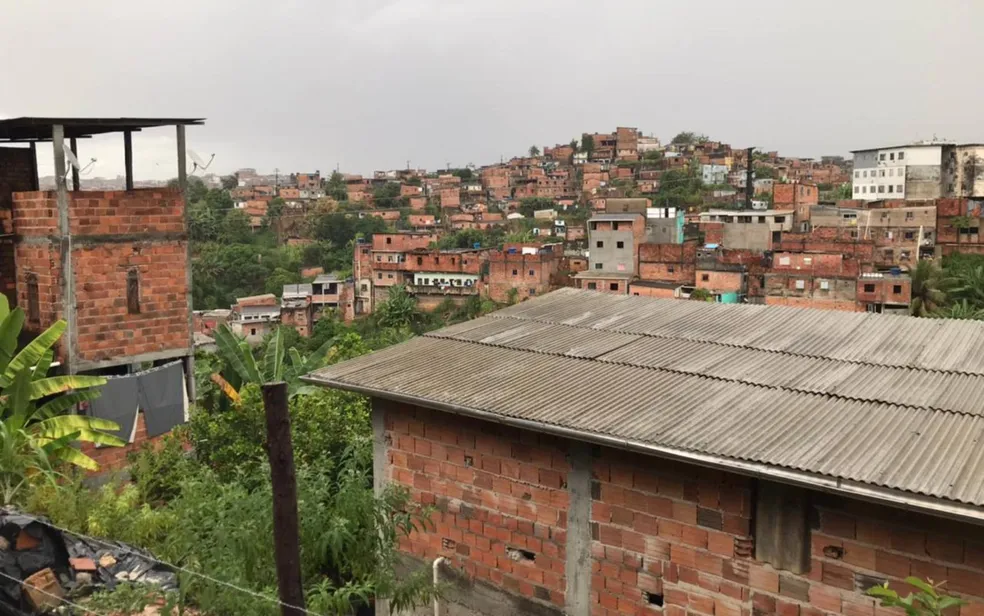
611,473
531,269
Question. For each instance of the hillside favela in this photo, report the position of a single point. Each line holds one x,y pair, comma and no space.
682,345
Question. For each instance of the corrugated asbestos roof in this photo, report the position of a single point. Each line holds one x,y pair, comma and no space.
886,401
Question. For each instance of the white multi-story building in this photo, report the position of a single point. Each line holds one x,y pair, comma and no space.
918,171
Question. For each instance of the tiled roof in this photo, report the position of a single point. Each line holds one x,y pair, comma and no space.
886,407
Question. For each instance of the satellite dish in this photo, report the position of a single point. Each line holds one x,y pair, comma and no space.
197,162
73,162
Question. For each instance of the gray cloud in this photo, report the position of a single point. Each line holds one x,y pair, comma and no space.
367,84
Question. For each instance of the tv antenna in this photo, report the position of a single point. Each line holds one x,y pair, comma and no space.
73,162
197,162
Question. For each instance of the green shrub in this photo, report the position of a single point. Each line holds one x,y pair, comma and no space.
158,470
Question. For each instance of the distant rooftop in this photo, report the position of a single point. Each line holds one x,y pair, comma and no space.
616,217
39,129
323,278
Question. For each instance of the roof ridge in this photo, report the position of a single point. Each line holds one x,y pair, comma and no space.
786,388
746,346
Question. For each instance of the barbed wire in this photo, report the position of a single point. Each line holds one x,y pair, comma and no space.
24,583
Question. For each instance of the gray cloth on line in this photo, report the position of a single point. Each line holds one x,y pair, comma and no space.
117,403
161,393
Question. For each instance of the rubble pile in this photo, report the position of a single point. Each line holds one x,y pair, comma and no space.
41,567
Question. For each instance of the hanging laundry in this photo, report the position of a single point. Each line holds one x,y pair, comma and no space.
118,403
162,398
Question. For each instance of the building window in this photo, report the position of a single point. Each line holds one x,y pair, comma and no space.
670,269
619,244
365,287
614,226
890,187
881,189
515,272
532,273
856,191
33,299
613,286
780,219
389,240
705,277
379,275
252,331
532,291
133,292
897,288
881,173
891,172
598,266
891,156
420,260
592,286
881,156
869,288
599,244
901,155
857,174
389,276
865,173
909,215
910,235
898,188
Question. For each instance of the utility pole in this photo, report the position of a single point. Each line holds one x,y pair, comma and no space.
286,536
749,178
276,179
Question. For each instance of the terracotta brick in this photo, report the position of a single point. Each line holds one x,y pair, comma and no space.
826,599
763,604
685,556
701,604
721,543
927,570
645,524
685,512
694,536
974,608
859,555
945,548
892,564
763,578
787,608
908,541
724,608
838,577
858,607
659,506
964,581
709,563
837,525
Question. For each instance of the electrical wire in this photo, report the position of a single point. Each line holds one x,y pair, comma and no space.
23,583
115,546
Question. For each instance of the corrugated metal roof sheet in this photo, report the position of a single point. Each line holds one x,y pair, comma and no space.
865,398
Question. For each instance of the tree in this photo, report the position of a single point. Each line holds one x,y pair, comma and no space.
928,601
688,138
275,209
929,286
534,151
587,144
701,295
529,205
573,144
241,368
386,196
465,173
335,187
236,228
763,172
34,432
230,181
203,224
399,310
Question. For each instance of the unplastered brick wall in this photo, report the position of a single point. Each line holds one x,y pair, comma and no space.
106,329
665,536
500,497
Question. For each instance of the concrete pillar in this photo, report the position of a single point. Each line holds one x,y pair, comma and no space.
379,447
578,566
65,249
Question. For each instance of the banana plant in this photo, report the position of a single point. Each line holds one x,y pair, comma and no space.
35,434
241,368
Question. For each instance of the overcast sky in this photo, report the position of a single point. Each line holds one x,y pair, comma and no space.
369,84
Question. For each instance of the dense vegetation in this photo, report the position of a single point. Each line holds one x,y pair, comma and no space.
953,289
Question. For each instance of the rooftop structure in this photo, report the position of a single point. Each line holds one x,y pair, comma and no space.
796,396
